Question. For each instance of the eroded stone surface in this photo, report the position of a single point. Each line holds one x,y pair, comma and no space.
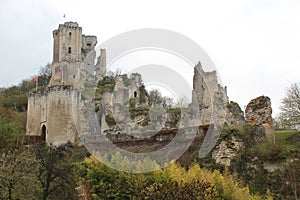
234,115
227,150
259,111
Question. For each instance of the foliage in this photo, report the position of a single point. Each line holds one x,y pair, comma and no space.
44,75
106,84
172,182
156,99
110,120
125,79
195,189
39,172
290,140
283,156
138,111
175,116
269,151
132,102
290,106
143,94
15,97
55,172
10,135
18,180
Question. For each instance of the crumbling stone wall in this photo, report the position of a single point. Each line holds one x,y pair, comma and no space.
234,115
209,95
227,149
259,114
259,111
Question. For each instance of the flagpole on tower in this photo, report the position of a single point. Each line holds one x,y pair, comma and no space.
35,79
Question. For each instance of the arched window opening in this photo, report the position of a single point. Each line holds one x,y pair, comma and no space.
135,94
44,132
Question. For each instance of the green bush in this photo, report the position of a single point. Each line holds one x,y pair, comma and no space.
110,120
125,80
144,96
138,111
107,84
132,102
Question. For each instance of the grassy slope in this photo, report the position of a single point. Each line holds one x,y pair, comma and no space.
290,139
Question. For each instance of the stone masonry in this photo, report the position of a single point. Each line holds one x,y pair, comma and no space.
50,112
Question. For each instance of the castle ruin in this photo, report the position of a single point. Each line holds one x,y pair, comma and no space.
51,113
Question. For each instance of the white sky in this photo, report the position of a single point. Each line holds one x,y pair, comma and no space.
254,44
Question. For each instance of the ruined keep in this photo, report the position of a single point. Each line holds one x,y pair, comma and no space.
50,111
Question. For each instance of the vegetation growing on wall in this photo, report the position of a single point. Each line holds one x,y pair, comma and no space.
107,84
110,120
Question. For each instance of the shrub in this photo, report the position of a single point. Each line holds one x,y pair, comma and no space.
110,120
132,102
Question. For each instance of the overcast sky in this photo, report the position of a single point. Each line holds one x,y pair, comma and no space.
254,44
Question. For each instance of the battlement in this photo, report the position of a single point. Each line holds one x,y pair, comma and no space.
56,88
73,25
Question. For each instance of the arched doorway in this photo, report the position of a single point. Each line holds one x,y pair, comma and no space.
44,132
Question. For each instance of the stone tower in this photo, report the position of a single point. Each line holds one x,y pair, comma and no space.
50,115
69,51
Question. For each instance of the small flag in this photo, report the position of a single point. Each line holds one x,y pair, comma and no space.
60,71
64,15
34,79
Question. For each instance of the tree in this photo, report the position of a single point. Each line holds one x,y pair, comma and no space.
55,172
10,135
45,75
290,106
156,99
18,178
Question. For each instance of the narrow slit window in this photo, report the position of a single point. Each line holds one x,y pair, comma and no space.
70,50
